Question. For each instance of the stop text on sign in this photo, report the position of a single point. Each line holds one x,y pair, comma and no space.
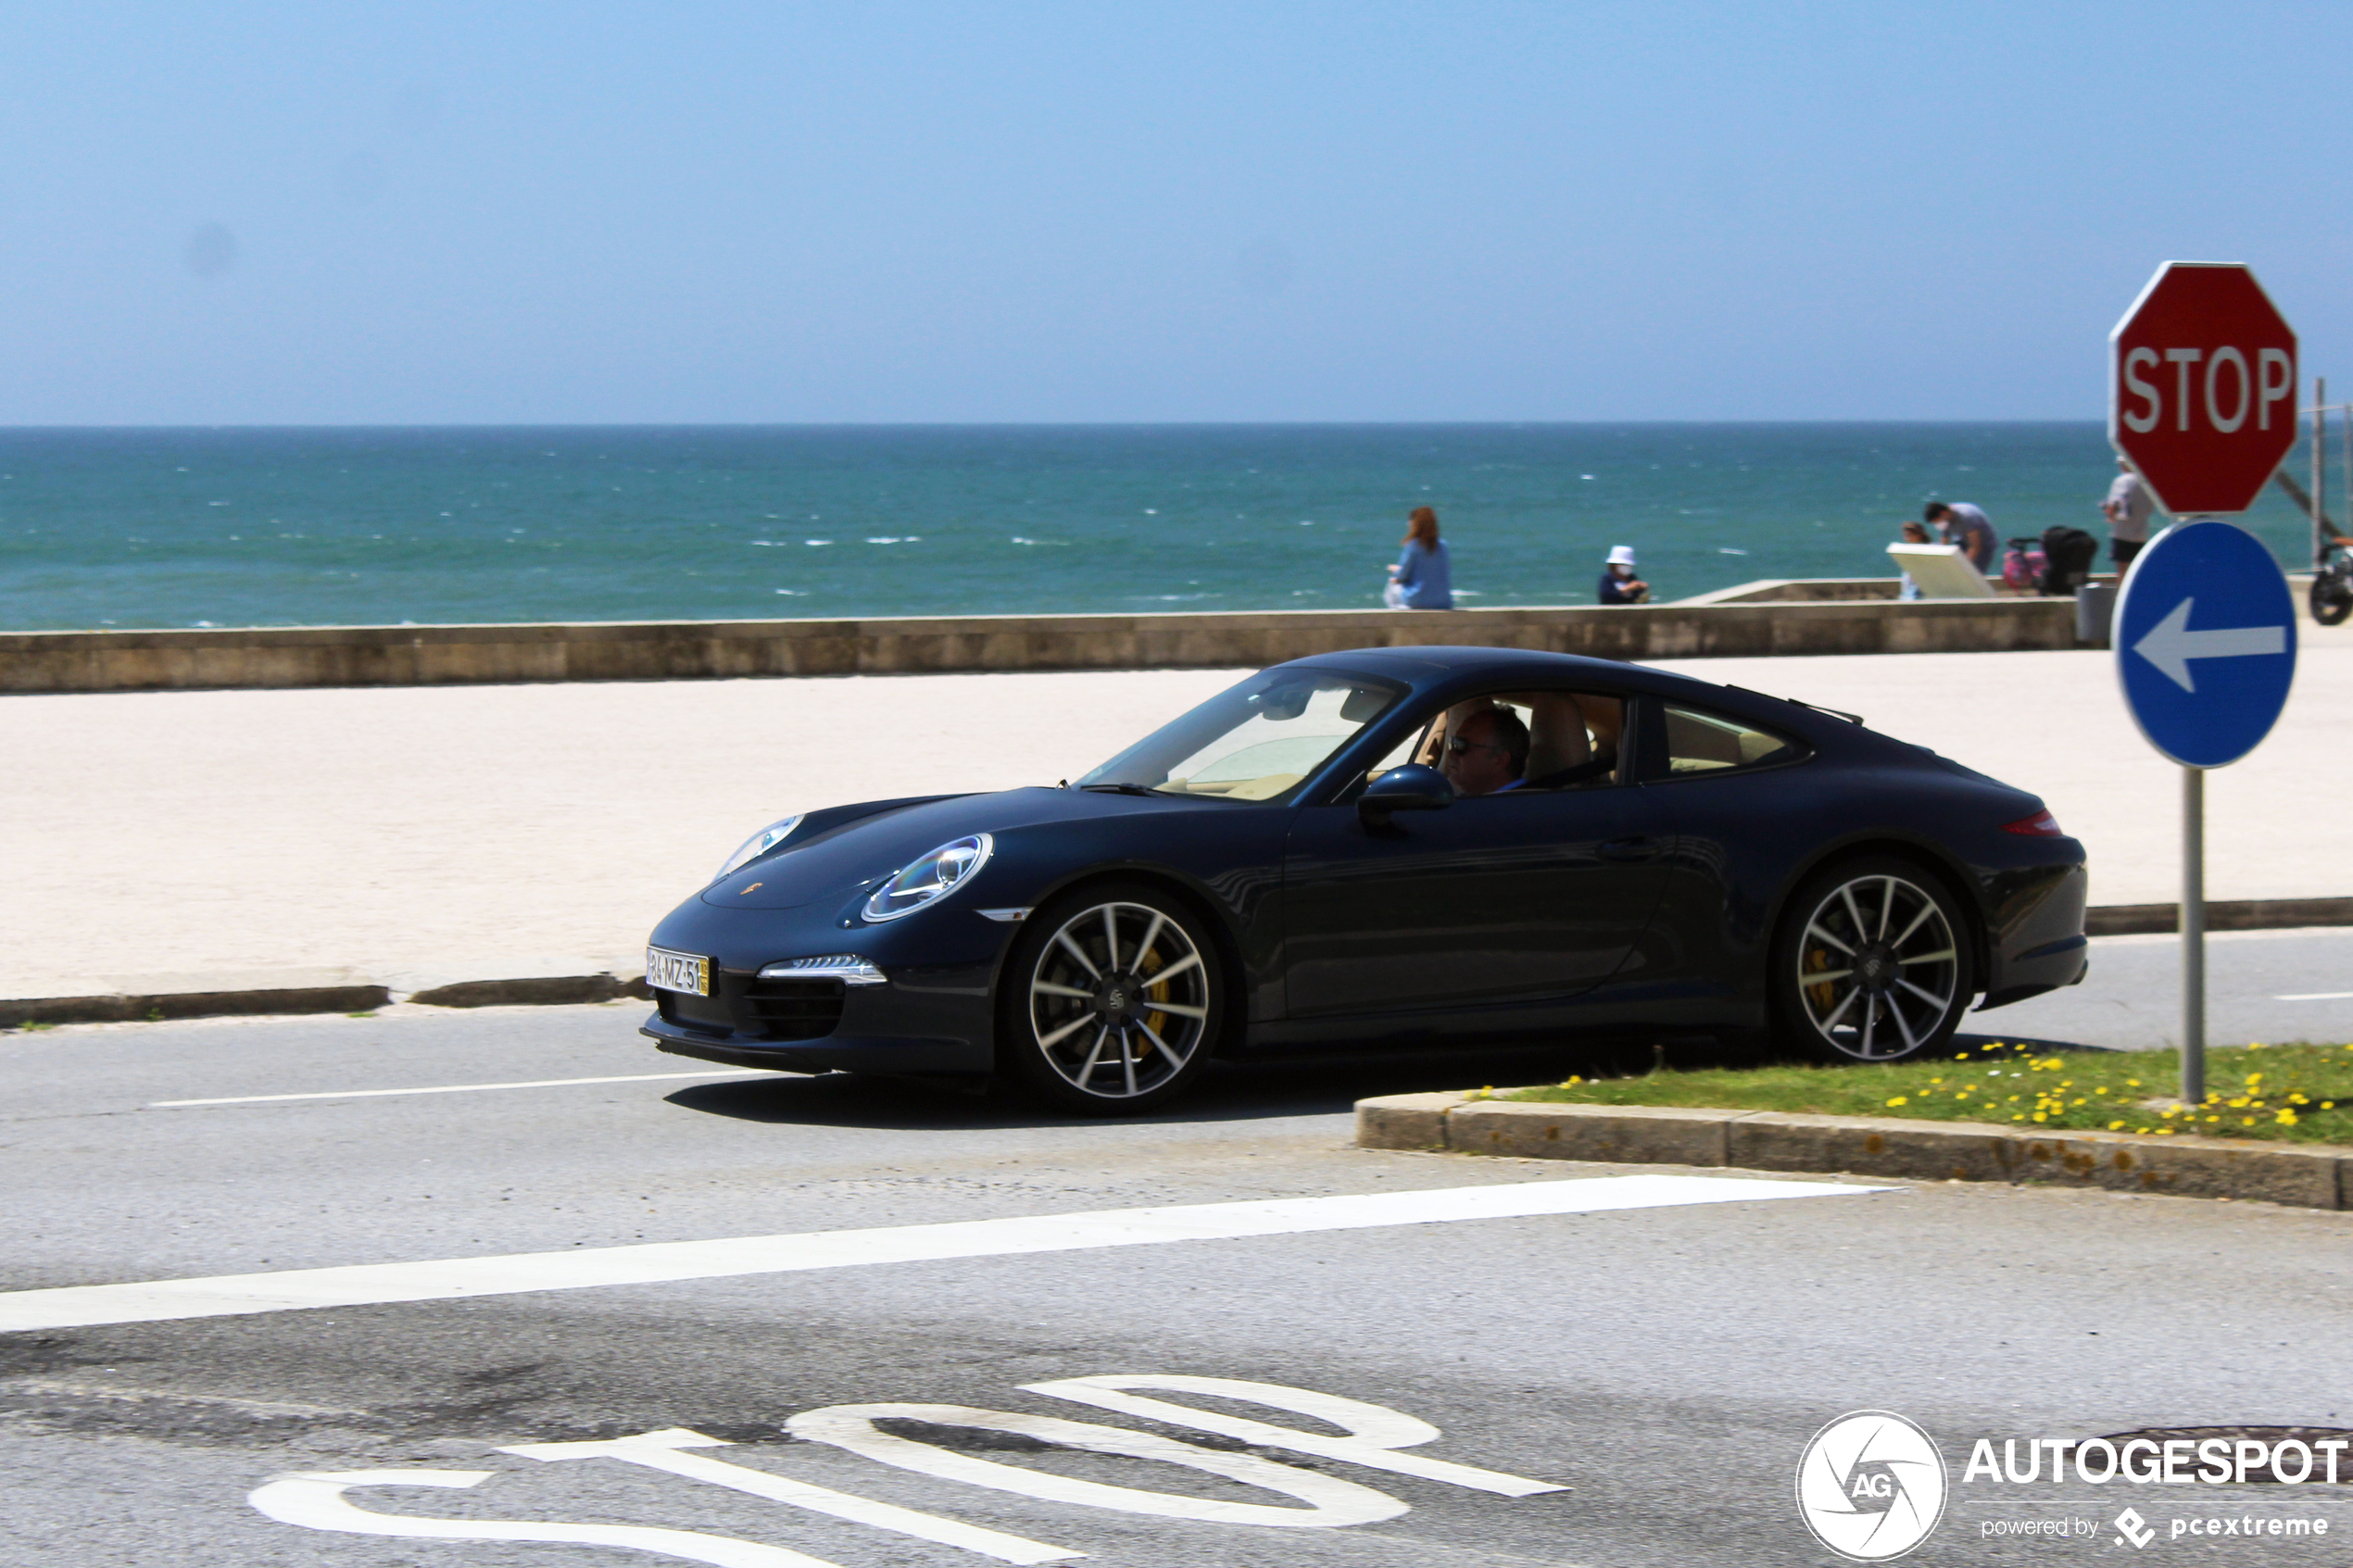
2214,384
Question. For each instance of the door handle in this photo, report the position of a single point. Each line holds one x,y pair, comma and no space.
1638,847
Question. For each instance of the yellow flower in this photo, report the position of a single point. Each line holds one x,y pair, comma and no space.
2116,1127
1900,1099
2286,1118
2039,1117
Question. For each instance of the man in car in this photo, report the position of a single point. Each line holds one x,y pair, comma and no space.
1485,753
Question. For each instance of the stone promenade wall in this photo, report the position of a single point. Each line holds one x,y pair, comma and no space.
400,656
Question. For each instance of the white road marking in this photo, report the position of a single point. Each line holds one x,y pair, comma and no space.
1375,1432
2316,997
666,1450
315,1499
467,1088
1332,1504
447,1279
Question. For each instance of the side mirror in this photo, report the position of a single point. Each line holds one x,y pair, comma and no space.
1410,788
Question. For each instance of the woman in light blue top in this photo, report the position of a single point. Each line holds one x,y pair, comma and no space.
1421,579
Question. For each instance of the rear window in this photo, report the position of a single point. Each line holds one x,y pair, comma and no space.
1699,742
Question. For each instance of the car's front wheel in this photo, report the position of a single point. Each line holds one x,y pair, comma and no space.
1872,963
1110,1001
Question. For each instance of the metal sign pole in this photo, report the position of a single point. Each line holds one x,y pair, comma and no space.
2193,935
2320,470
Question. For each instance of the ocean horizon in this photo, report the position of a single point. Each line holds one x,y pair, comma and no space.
157,527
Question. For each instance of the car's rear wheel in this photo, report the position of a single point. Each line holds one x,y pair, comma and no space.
1111,1002
1872,963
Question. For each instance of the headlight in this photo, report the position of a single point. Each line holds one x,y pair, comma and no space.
767,838
930,878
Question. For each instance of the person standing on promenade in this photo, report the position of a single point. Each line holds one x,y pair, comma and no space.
1969,527
2128,507
1422,579
1619,585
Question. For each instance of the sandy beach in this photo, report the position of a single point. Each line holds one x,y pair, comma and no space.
422,834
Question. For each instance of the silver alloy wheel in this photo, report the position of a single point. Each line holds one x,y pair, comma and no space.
1119,1000
1878,967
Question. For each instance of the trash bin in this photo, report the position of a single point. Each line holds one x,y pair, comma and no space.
2094,613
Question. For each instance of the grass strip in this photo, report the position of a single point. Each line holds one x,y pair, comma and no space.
2298,1093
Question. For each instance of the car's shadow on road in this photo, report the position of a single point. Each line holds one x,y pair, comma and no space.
1975,1043
1228,1092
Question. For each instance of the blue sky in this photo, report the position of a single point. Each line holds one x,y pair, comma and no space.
701,213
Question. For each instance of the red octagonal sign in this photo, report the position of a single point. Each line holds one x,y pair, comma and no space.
2202,382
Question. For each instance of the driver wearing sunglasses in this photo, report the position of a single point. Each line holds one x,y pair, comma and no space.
1485,753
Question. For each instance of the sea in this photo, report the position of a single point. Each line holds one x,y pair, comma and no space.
191,527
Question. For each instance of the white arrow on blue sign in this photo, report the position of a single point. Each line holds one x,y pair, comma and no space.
2206,642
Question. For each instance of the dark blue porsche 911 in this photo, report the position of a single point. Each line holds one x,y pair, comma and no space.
1398,847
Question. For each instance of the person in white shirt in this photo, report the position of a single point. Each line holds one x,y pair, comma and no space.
2128,508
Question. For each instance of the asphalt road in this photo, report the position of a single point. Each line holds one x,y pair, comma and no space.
1660,1369
2274,986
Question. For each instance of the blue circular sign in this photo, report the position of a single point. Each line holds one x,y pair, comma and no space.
2205,642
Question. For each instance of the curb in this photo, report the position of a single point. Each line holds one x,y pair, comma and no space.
2300,1175
2227,914
352,992
155,1007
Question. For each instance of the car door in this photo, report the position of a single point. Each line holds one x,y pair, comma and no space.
1523,896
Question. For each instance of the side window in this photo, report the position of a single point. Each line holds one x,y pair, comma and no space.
1699,742
1560,739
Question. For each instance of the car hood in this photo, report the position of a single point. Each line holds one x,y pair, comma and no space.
838,863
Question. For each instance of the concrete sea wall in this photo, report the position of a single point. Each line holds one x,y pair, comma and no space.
1774,618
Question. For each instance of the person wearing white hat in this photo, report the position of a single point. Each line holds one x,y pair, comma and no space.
1619,585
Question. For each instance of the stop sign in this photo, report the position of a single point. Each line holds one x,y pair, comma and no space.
2202,382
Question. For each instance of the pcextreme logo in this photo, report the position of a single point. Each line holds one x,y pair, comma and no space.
1870,1485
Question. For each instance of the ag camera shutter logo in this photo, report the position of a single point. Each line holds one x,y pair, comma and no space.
1871,1486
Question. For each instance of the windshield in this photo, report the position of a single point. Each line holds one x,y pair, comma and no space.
1256,740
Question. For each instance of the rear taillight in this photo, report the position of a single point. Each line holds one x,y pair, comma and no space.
2041,824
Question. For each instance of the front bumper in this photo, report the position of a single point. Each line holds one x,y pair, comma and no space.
931,1014
920,1021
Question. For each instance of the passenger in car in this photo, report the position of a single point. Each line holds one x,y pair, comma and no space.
1576,740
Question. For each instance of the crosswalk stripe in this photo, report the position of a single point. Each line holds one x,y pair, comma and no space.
656,1263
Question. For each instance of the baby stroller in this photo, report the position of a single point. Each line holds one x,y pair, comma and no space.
2053,566
2068,554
